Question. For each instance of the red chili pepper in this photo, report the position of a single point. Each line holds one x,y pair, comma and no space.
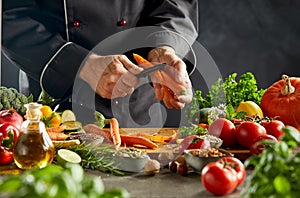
8,137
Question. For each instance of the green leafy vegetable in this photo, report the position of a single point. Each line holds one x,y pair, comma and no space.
56,182
230,92
185,131
276,170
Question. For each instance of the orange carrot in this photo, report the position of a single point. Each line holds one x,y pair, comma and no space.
157,138
141,61
137,141
115,132
56,129
57,136
161,76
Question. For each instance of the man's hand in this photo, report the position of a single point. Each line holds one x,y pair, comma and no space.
176,69
110,76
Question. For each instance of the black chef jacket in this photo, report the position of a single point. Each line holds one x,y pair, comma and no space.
49,40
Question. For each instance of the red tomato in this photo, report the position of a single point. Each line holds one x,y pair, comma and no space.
224,129
274,127
257,147
219,179
237,165
193,142
248,131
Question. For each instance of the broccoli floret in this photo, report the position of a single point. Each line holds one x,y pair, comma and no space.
16,104
23,98
1,106
10,94
3,88
22,110
15,91
5,102
1,93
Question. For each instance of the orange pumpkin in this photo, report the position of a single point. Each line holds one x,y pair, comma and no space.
282,100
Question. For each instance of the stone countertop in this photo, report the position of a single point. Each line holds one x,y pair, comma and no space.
162,185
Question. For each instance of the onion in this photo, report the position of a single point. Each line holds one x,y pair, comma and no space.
10,116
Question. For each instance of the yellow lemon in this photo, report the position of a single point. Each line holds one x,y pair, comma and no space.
251,108
46,111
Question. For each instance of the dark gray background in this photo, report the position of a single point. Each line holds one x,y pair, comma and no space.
241,35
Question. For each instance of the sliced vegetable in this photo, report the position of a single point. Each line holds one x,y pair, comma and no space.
72,126
128,140
57,136
56,129
68,115
66,156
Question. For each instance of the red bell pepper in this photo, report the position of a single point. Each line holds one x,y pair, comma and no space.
8,138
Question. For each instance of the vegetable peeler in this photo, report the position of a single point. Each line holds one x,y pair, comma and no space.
146,72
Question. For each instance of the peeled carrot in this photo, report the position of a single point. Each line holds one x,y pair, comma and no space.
56,129
141,61
57,136
129,140
161,76
115,132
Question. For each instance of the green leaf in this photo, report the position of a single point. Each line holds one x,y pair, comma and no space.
291,133
10,184
282,184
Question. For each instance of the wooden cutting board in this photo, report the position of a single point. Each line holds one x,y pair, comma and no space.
162,147
173,148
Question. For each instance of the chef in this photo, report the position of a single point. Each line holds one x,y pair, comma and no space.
74,49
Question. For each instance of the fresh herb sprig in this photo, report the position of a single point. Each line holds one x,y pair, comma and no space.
185,131
96,158
230,92
276,170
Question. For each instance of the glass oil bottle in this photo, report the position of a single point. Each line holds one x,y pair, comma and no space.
34,148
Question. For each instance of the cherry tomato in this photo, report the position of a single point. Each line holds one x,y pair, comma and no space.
248,131
193,142
238,166
257,146
274,127
219,179
224,129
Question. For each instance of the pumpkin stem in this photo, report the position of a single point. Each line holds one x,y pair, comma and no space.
287,89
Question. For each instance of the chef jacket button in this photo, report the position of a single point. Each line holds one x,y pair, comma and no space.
115,102
76,23
122,22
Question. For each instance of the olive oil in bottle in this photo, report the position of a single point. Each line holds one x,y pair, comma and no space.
34,148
